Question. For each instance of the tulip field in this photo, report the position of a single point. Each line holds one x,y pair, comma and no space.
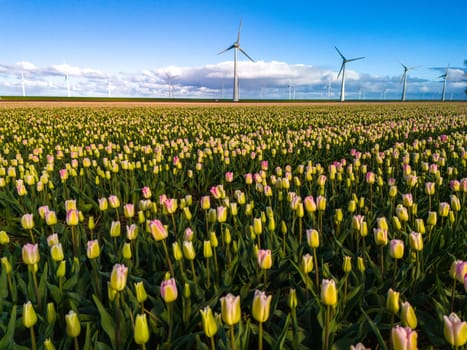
281,226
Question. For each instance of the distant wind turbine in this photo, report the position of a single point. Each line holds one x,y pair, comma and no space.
170,78
404,80
67,85
342,70
236,47
445,79
23,84
109,86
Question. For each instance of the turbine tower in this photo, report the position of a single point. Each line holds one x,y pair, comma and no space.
23,84
236,47
404,80
445,79
342,70
67,85
109,86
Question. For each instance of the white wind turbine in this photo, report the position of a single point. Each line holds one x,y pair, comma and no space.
67,85
109,86
445,79
170,79
404,80
23,84
236,47
342,70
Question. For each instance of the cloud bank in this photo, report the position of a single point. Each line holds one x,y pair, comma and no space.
258,80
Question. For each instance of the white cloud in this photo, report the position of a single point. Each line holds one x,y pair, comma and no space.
259,79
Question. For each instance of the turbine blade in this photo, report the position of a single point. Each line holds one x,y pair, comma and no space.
342,67
405,67
227,49
354,59
239,30
340,53
243,52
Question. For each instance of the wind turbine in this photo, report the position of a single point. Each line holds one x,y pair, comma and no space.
22,84
236,47
170,78
67,85
404,80
109,86
342,70
445,79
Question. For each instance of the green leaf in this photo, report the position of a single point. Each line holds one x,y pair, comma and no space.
375,330
279,342
7,339
107,322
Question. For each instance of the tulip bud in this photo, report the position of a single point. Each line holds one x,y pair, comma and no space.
312,236
126,251
141,332
404,338
416,241
397,249
4,238
157,230
455,203
51,313
115,229
352,206
261,306
6,265
292,300
30,253
392,301
347,264
72,217
329,292
29,315
27,221
103,204
140,292
392,191
310,205
381,236
361,264
73,327
338,216
169,290
48,345
51,218
408,316
61,269
93,249
230,309
205,202
396,223
443,209
432,218
461,271
129,210
359,346
118,277
307,263
207,249
265,259
209,322
114,202
188,250
321,203
455,330
257,226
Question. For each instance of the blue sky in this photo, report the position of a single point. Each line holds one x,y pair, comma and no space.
139,43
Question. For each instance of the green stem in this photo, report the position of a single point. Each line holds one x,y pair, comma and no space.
232,337
32,236
195,279
168,258
143,346
117,320
75,339
260,339
33,338
453,292
170,314
36,290
208,279
326,331
315,258
213,345
382,260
